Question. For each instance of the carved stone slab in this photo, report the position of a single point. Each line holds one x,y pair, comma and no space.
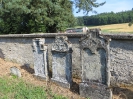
62,62
94,64
61,44
40,60
95,90
93,41
93,56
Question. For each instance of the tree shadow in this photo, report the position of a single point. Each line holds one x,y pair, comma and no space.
27,68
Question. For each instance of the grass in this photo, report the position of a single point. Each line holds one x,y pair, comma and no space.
15,88
115,28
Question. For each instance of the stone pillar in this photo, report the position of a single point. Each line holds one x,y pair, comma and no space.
62,61
40,57
94,61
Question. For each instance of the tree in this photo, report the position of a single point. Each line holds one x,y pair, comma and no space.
129,24
108,18
54,15
27,16
87,5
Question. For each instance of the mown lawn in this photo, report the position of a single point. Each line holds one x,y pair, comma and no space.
15,88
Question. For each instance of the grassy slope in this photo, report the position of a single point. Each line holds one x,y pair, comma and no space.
12,88
115,28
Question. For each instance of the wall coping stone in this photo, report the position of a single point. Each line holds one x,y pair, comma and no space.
41,35
49,35
125,36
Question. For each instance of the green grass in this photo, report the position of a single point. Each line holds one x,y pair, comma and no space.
15,88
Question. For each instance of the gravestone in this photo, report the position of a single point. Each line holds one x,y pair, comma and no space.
15,71
62,61
94,66
40,57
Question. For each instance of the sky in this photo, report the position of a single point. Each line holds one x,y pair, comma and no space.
110,5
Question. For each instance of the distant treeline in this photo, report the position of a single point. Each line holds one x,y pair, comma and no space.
106,18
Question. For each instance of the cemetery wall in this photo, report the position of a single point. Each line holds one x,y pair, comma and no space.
121,60
101,61
18,48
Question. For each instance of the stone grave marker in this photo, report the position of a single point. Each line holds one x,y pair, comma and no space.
94,53
62,61
15,71
40,57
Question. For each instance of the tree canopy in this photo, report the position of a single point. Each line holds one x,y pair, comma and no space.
28,16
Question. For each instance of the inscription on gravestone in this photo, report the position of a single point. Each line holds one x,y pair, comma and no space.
94,66
40,60
62,61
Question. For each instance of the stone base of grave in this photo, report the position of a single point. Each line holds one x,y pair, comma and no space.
40,77
61,83
95,91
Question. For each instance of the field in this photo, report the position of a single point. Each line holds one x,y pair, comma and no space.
115,28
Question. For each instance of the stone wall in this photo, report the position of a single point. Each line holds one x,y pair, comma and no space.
121,62
106,60
18,48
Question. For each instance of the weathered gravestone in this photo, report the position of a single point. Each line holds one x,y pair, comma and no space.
94,59
62,61
40,57
15,71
